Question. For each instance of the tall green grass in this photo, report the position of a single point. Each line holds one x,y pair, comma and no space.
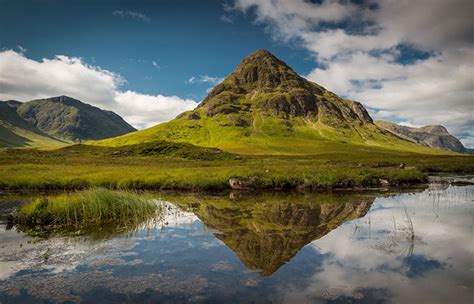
90,208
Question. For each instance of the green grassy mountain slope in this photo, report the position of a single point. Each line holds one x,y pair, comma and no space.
17,132
70,119
264,107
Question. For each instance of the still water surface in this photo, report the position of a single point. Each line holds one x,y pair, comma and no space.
412,247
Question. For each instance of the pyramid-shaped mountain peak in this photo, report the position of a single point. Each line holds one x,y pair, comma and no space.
265,84
263,105
264,71
263,57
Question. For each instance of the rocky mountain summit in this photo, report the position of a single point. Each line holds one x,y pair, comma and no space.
264,83
434,136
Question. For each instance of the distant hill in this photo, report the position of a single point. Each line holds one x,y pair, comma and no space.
71,119
56,120
17,132
430,136
264,107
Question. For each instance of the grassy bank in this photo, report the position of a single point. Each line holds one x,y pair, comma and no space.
71,169
87,209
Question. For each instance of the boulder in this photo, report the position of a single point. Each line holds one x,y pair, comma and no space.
241,184
384,182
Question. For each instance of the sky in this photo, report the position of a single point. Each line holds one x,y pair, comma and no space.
410,62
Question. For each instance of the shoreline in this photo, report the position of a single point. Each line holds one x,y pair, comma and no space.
442,179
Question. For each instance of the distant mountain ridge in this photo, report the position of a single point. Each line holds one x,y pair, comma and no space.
264,107
57,120
17,132
433,136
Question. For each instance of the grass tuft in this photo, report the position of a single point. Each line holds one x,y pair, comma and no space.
95,207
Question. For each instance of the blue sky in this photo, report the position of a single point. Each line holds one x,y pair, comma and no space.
184,38
150,60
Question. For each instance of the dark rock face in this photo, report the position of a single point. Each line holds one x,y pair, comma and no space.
68,118
265,84
430,136
266,71
189,115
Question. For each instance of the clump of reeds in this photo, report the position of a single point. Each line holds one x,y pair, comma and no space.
93,207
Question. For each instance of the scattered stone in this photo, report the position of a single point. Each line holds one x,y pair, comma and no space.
235,183
384,182
240,184
116,153
402,166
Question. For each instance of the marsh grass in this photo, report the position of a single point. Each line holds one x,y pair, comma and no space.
85,210
79,167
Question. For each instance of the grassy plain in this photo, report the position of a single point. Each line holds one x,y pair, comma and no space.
333,167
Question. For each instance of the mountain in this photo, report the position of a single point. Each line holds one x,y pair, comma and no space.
17,132
429,136
56,120
264,107
68,118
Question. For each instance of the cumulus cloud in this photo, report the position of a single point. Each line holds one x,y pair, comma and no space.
131,14
357,49
26,79
147,110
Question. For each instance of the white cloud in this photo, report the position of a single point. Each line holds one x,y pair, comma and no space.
131,14
148,110
204,79
362,64
26,79
407,124
213,81
289,18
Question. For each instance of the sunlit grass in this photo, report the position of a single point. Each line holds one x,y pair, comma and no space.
90,208
84,168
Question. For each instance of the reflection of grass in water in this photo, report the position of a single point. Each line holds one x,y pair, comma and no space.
94,209
399,240
409,225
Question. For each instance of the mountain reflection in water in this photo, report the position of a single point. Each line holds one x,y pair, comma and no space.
413,247
266,231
